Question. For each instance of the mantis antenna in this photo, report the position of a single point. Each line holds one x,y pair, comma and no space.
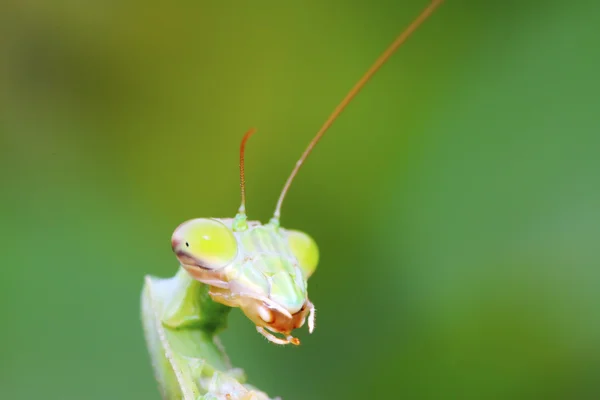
353,92
242,209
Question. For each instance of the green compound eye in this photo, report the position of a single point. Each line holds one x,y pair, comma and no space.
305,250
204,242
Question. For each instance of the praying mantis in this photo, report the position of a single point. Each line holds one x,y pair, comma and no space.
264,269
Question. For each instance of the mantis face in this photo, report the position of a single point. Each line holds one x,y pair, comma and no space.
262,269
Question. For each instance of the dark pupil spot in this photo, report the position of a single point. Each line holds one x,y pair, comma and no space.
187,244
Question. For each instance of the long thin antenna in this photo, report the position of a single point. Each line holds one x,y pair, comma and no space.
353,92
242,209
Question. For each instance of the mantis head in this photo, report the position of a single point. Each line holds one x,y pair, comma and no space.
263,270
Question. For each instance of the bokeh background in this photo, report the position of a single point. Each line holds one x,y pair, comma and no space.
456,202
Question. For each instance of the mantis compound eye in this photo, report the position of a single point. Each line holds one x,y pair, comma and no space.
305,250
205,243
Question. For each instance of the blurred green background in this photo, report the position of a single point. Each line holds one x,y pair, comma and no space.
456,202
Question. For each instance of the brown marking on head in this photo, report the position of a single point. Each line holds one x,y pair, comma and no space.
185,259
208,276
284,324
